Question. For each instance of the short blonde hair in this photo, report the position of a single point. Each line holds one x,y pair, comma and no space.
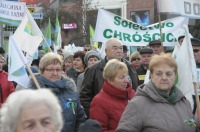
10,111
48,59
162,59
112,67
134,55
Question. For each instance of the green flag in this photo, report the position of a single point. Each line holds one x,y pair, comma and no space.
47,37
93,44
57,36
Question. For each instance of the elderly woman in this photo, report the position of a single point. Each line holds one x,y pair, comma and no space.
159,106
64,88
109,104
31,111
6,87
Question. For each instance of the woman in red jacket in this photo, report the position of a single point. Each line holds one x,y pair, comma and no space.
6,87
109,104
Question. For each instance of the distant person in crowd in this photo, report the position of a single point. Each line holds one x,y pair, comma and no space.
78,66
31,111
2,51
159,106
6,87
135,59
196,50
5,65
156,46
90,58
87,48
180,39
93,80
90,126
125,52
35,63
145,57
63,87
68,62
41,53
109,104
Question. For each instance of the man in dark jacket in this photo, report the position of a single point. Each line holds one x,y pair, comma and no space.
145,57
93,80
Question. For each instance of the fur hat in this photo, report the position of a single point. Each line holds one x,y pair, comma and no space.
91,53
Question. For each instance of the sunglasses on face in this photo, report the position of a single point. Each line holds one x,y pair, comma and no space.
86,49
134,59
195,50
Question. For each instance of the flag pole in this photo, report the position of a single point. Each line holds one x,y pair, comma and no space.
33,76
49,49
159,19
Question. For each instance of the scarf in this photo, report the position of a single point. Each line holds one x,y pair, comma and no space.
171,97
54,86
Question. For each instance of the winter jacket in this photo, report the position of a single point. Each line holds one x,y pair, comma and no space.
6,87
150,112
73,73
93,81
66,91
109,104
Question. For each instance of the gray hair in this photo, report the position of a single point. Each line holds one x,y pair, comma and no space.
10,111
111,41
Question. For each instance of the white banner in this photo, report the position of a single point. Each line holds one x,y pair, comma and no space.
188,8
132,34
11,13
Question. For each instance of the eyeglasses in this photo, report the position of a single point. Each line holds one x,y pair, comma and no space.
52,70
195,50
86,49
134,59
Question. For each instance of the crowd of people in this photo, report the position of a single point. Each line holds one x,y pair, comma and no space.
87,92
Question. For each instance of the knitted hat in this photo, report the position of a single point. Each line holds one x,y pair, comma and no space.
91,53
90,126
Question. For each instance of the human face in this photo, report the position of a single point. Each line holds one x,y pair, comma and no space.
180,41
156,49
35,119
68,64
163,77
86,49
114,51
145,59
135,61
92,61
78,63
53,72
196,50
120,81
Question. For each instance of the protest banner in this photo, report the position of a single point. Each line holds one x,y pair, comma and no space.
187,8
133,34
11,13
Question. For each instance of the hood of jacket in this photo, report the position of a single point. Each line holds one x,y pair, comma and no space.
148,90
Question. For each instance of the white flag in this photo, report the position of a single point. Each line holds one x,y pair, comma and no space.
186,67
16,64
28,35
